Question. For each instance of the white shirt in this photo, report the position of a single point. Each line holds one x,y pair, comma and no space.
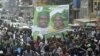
58,50
92,33
14,36
28,39
21,41
42,45
1,34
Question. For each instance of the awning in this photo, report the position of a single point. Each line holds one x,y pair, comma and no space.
91,24
86,20
76,24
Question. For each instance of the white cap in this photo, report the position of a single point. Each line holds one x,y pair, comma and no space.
89,45
99,41
28,44
57,36
89,49
95,40
40,35
1,52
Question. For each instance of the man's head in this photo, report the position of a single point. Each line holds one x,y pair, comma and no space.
28,47
43,19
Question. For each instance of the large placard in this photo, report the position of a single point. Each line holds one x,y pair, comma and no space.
50,19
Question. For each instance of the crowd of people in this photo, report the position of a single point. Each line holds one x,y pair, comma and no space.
16,42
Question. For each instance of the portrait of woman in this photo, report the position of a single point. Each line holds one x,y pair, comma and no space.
58,21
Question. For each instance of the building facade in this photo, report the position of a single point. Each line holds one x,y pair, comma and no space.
26,10
0,3
10,5
84,9
96,8
96,5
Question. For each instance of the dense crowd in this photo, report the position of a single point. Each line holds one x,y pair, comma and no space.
81,42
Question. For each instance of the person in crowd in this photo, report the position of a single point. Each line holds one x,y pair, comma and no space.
64,52
32,45
29,39
36,44
96,51
46,50
41,46
5,41
8,50
28,51
76,50
79,44
21,40
57,49
2,49
18,50
1,34
98,35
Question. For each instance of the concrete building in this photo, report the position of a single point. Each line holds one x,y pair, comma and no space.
84,9
96,5
3,12
26,10
89,8
11,6
0,3
96,8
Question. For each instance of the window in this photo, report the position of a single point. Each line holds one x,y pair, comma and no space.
98,5
28,1
0,5
22,8
21,14
95,3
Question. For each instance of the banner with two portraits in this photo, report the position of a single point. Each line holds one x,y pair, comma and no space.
50,19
